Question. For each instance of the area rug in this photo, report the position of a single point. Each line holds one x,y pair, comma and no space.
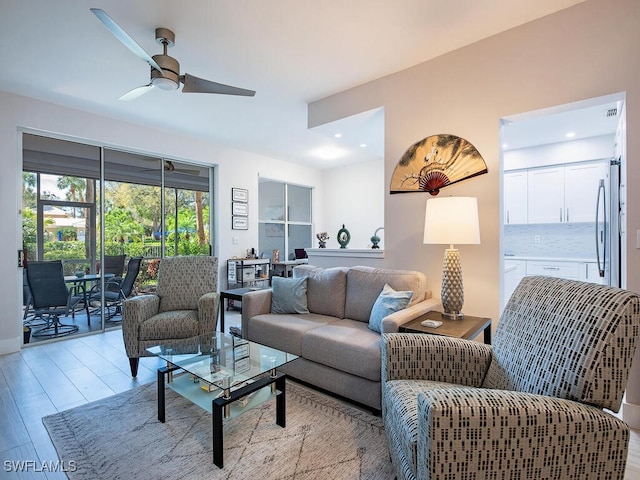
120,437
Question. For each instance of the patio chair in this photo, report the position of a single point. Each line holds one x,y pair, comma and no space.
114,264
185,305
50,297
117,289
532,404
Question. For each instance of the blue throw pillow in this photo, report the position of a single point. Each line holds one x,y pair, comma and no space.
289,295
388,302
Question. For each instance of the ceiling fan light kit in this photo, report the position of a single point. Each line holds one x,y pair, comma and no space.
165,70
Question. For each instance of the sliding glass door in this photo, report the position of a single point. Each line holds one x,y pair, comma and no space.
88,206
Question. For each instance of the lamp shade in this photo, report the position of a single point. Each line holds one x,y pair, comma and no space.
452,220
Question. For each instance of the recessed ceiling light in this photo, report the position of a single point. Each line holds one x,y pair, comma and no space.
571,134
329,152
363,145
505,145
338,135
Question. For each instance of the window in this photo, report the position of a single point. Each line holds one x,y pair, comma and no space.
284,213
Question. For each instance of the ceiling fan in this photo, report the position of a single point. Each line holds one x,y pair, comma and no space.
165,70
169,167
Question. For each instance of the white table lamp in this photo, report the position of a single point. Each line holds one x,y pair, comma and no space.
450,220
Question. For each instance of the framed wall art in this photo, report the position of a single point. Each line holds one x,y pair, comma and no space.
240,209
239,195
240,223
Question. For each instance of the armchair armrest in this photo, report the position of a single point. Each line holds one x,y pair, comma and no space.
135,311
391,323
516,435
254,303
434,357
208,305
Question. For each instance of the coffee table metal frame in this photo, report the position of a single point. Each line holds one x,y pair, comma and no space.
221,398
218,405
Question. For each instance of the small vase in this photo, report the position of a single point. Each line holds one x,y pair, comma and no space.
322,244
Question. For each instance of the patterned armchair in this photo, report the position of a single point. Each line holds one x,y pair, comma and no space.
531,405
185,305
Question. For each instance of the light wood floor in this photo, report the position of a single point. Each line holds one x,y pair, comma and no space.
52,377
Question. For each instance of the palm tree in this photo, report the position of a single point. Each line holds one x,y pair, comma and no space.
77,187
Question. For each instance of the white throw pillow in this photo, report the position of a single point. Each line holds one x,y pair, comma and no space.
388,302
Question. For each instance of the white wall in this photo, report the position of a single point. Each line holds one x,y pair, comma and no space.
235,169
586,51
354,196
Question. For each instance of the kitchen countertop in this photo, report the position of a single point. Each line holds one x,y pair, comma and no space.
550,259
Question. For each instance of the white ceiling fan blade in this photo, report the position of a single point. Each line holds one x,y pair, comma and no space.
198,85
136,92
124,37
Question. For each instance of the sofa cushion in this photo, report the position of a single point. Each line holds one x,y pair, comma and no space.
389,301
285,331
289,295
345,345
326,289
364,284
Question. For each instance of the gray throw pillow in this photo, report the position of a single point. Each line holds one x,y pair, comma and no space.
388,302
289,295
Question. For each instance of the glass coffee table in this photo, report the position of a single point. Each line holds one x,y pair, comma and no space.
223,374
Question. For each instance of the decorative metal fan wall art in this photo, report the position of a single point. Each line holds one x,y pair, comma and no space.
435,162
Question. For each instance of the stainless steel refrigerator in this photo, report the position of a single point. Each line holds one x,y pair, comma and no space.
607,226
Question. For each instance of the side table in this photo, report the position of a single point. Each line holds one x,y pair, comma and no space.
233,294
468,327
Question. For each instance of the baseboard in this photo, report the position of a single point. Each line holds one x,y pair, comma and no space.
631,414
10,345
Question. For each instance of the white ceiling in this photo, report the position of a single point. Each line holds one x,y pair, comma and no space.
291,52
583,119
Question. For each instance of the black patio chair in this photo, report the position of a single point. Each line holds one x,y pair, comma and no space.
50,297
114,264
117,289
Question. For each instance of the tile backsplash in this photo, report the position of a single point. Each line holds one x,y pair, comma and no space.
563,240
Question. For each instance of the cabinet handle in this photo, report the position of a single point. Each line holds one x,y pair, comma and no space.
507,216
567,215
560,215
551,268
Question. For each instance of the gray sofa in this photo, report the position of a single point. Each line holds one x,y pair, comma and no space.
338,352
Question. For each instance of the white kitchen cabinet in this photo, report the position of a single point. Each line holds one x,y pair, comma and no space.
564,194
592,274
545,195
581,190
552,268
514,271
515,197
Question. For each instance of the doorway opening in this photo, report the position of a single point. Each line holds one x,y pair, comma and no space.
563,197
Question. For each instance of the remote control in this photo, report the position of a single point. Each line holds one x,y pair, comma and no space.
431,323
